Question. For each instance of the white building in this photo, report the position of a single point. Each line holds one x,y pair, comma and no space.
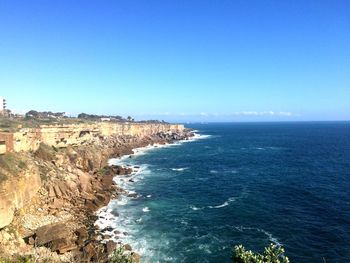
1,104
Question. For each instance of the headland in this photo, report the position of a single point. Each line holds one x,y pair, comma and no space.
53,179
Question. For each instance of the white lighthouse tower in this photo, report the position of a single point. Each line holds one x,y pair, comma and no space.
2,106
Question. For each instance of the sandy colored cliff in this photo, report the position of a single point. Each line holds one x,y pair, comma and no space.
60,136
55,178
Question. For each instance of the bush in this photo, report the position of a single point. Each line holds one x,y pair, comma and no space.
17,259
11,164
45,152
272,254
119,256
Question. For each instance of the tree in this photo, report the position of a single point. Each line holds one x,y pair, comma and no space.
272,254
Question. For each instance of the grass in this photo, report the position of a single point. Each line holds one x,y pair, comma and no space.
104,171
17,259
119,256
13,124
11,164
45,152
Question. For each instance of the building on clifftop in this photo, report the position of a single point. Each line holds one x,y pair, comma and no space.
3,111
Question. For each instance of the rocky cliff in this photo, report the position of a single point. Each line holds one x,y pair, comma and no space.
16,191
57,177
29,139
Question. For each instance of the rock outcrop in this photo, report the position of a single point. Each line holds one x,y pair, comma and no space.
29,139
16,192
52,200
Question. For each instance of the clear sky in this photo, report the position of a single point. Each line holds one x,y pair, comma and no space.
205,60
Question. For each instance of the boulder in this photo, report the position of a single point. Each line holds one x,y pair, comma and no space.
48,233
84,180
82,235
56,236
127,247
136,257
63,245
51,191
57,191
110,246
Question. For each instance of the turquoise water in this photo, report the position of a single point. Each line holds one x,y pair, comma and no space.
249,183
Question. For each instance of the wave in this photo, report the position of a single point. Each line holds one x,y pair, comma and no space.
145,209
226,203
242,195
180,169
268,234
262,148
138,152
123,227
143,150
198,136
195,208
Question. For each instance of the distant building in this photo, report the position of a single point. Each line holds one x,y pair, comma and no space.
2,106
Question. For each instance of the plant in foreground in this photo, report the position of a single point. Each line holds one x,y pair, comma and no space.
119,256
272,254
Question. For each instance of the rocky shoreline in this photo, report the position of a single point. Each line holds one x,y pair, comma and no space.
58,224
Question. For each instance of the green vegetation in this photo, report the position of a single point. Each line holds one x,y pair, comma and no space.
34,119
18,259
45,152
14,123
272,254
86,116
119,256
11,164
104,171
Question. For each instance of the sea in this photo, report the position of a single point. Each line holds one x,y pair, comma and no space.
254,184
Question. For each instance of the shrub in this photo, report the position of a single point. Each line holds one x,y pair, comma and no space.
272,254
119,256
18,259
11,164
45,152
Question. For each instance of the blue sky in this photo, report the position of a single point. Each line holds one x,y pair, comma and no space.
178,60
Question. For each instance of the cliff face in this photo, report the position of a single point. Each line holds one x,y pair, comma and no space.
23,183
77,134
16,192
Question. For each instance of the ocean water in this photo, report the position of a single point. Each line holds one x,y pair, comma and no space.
243,183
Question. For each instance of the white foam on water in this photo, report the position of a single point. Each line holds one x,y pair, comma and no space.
180,169
205,248
137,152
122,200
194,208
198,136
271,238
268,234
242,195
124,225
145,209
226,203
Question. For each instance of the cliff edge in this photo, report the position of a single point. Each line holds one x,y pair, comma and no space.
53,179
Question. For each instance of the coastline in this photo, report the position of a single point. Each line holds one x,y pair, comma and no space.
59,222
107,222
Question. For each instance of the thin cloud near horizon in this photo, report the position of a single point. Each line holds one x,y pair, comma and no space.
237,113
